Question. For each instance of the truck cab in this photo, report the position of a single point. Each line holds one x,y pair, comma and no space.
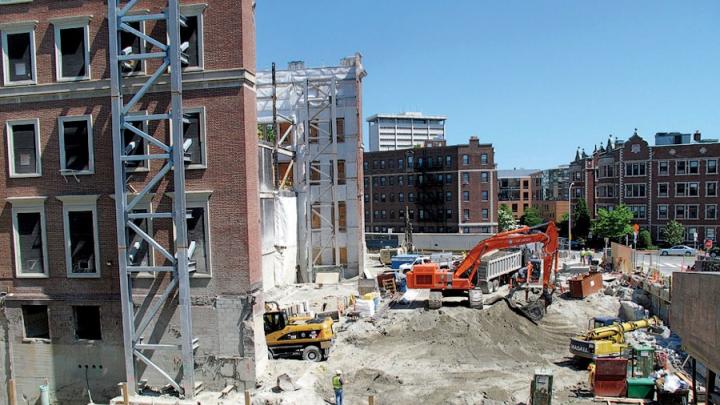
404,268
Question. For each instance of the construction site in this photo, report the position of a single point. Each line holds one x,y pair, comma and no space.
204,239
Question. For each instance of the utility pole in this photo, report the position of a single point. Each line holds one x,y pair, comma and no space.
570,216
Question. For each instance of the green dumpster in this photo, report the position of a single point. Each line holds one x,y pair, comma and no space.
643,388
644,361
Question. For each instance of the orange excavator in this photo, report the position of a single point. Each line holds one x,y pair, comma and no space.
534,276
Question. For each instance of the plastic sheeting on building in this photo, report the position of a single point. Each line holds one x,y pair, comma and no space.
279,241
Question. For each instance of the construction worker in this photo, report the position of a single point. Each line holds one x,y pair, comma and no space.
338,382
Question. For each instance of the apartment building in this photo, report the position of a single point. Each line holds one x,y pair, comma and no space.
404,130
61,306
444,188
677,178
515,189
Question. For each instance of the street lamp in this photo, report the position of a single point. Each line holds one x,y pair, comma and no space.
570,216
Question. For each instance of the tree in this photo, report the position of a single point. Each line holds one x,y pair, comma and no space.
644,239
613,224
674,233
581,219
531,217
562,225
506,221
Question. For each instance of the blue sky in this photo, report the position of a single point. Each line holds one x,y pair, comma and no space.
535,78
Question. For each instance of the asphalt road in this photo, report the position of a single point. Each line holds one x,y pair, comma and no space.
666,264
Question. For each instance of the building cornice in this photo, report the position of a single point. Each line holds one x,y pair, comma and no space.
210,79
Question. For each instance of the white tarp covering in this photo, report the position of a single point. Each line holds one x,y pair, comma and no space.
279,262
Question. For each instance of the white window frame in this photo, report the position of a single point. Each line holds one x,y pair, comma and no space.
67,23
75,203
638,206
19,28
199,199
145,165
685,194
29,205
675,207
667,194
707,166
706,211
144,204
687,167
91,147
196,10
143,45
707,185
667,171
11,148
687,211
631,185
667,211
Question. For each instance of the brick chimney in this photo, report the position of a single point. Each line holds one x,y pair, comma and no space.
474,141
697,136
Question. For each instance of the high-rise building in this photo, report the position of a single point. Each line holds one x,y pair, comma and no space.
404,131
443,188
59,271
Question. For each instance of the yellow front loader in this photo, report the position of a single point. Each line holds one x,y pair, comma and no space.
608,341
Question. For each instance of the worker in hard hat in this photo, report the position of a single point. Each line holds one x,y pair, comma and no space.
338,382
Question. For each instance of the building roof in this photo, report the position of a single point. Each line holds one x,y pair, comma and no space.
510,174
406,115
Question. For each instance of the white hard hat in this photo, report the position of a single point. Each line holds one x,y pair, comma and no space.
338,372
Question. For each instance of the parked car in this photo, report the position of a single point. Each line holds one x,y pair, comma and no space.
678,250
714,252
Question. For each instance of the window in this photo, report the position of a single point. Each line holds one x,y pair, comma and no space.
400,180
680,167
18,50
341,172
692,212
365,165
375,164
484,159
466,178
382,164
663,189
466,214
466,229
691,234
192,33
485,195
484,177
340,128
315,172
82,257
662,211
679,212
342,216
448,178
366,198
400,164
411,180
693,167
23,140
485,213
194,129
448,214
76,145
711,189
635,190
410,162
693,189
383,197
448,161
711,166
36,321
132,44
465,160
448,196
680,189
139,252
635,169
29,236
401,197
663,168
198,231
420,162
136,145
710,233
639,211
421,213
391,180
466,196
87,322
411,197
711,211
72,48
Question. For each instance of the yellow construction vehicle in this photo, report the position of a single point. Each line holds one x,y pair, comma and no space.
608,341
304,336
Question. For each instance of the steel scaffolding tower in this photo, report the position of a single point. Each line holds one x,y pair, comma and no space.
127,113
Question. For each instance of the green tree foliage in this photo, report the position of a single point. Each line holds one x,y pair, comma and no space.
613,224
506,221
531,217
644,239
581,219
562,225
674,233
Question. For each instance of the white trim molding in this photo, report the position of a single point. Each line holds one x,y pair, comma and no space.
91,153
62,23
22,27
11,148
75,203
22,205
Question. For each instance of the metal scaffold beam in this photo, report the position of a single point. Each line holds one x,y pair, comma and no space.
127,113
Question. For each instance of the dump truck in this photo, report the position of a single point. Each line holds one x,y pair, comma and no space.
310,338
496,268
609,340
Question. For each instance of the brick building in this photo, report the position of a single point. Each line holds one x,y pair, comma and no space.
58,251
677,178
515,189
445,188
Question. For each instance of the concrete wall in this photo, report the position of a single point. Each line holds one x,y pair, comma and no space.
695,315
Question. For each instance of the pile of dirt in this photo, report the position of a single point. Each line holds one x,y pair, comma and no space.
452,355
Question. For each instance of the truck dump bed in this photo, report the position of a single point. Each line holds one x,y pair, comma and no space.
499,263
